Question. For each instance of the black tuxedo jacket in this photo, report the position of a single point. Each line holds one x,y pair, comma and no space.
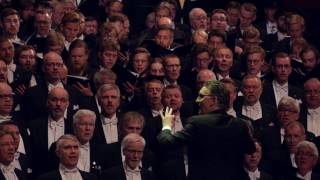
20,175
268,95
117,173
39,143
109,155
292,175
268,116
55,175
34,102
212,140
95,157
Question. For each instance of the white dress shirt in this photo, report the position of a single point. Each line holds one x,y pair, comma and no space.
132,174
282,133
280,90
305,177
155,113
8,172
253,175
33,81
51,86
232,112
293,161
253,112
110,128
166,83
69,174
271,27
55,130
11,69
176,124
84,158
20,150
313,121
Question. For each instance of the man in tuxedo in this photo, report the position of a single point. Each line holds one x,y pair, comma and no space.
306,158
210,156
68,152
10,23
106,130
251,165
132,147
172,66
47,129
83,127
7,149
34,101
42,24
198,19
111,155
7,54
22,156
249,107
280,86
311,107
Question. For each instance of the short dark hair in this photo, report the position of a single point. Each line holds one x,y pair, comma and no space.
8,12
218,90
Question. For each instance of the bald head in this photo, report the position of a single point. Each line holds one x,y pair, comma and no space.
165,21
57,103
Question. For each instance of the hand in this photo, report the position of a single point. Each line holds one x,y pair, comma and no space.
85,90
167,118
21,89
129,88
238,50
124,58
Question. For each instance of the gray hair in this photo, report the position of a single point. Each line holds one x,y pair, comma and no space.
217,89
193,11
98,76
310,145
132,138
286,101
83,112
108,87
61,140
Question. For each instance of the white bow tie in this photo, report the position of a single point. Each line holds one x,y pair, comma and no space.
85,146
54,124
313,111
5,118
8,169
254,175
110,121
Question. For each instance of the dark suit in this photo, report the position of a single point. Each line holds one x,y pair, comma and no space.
212,140
268,95
293,176
95,158
275,155
268,116
55,175
117,173
109,155
39,143
20,175
35,99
